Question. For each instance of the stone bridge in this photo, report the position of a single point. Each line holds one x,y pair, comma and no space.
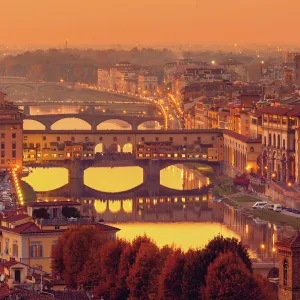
93,119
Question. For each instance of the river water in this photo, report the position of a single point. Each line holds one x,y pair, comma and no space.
182,214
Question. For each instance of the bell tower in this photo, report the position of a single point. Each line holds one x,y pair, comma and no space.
289,268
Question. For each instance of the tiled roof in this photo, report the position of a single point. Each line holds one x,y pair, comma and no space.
241,137
103,227
54,203
15,217
277,110
292,242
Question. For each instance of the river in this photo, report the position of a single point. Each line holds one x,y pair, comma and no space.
182,214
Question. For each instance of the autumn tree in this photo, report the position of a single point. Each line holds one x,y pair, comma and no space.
170,279
142,280
228,278
75,254
127,259
109,262
57,253
193,274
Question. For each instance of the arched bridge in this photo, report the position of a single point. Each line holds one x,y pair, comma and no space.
93,119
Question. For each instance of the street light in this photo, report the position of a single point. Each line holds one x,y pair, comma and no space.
263,249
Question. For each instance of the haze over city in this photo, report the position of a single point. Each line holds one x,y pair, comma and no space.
51,22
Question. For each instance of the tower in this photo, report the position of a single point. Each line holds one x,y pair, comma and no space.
289,268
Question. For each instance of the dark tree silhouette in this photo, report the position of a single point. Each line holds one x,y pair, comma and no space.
40,213
170,279
228,278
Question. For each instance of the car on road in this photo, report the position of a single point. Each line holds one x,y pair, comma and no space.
277,207
260,205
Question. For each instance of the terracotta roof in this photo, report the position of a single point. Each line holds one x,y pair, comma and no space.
54,203
291,242
104,227
15,217
277,110
241,137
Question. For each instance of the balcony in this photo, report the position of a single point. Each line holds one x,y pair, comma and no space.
65,221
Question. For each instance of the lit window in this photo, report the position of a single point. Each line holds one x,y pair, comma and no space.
36,250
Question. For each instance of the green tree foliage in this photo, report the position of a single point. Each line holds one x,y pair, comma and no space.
70,212
228,278
170,279
40,213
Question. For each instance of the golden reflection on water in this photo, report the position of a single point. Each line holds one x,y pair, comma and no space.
184,235
47,179
113,179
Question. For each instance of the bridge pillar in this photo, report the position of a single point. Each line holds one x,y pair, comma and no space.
152,177
76,188
26,110
76,169
91,108
217,169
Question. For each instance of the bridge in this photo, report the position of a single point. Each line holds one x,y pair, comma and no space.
94,119
151,176
208,140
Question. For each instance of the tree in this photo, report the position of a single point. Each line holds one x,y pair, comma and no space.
127,259
70,212
109,262
143,275
75,254
57,253
228,278
170,279
265,286
220,245
193,276
40,213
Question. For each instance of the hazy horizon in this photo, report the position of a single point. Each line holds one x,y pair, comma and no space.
95,22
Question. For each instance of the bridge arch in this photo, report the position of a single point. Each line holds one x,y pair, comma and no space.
18,85
114,148
99,148
128,148
29,124
150,125
114,124
100,206
71,124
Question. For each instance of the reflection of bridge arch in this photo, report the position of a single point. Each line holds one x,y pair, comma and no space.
15,86
123,126
51,87
33,125
100,206
83,122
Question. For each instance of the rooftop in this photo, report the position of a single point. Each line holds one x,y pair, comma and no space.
291,242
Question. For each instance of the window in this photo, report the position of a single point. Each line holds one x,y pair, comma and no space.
212,138
115,139
251,149
14,135
278,141
270,140
274,140
15,249
25,138
142,139
36,250
2,153
265,140
185,138
285,271
57,227
13,161
157,139
14,154
6,246
38,145
2,135
86,138
128,139
199,139
2,145
58,139
100,138
171,139
13,146
72,138
2,161
8,161
53,244
283,143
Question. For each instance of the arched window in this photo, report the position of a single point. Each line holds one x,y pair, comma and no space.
265,140
270,139
274,140
278,141
285,271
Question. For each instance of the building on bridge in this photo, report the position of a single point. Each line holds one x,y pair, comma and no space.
11,134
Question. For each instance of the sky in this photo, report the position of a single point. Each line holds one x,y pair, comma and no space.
25,22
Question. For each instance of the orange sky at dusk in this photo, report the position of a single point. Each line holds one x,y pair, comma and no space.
149,21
